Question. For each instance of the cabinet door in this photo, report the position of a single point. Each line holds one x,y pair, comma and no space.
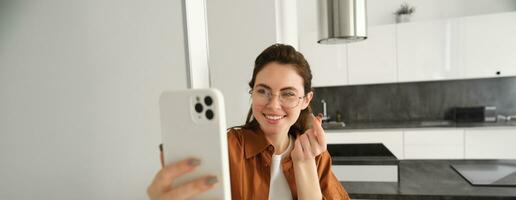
490,45
393,140
374,59
429,50
434,144
490,143
327,62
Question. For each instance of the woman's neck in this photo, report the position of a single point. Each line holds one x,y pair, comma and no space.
280,141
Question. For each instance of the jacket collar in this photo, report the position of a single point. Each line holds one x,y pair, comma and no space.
255,143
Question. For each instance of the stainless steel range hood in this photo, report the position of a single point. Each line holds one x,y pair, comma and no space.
342,21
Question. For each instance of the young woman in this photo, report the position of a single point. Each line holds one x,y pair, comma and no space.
280,152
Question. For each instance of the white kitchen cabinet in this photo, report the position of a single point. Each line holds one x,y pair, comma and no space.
429,50
457,48
392,139
490,45
327,62
374,59
490,143
434,144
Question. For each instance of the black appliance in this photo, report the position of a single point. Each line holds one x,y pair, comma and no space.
472,114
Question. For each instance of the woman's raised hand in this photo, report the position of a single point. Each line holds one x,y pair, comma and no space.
316,136
161,187
312,143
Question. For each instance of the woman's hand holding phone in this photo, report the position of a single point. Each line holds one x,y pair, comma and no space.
161,187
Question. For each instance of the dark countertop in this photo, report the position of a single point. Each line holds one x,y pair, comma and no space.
429,179
361,154
420,124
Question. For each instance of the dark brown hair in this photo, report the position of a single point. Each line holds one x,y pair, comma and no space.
283,54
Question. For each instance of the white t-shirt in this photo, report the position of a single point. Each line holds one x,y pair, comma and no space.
278,188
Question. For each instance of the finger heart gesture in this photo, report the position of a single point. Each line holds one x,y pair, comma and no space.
311,143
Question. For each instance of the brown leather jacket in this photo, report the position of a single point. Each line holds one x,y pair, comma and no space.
250,156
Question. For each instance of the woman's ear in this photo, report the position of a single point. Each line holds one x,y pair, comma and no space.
307,99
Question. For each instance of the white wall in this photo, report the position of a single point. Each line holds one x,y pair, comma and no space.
79,86
237,32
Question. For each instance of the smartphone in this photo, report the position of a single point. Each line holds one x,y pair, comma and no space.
193,124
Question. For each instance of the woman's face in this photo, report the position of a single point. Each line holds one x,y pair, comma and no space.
282,81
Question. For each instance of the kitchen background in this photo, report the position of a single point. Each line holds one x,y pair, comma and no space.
80,81
399,86
419,101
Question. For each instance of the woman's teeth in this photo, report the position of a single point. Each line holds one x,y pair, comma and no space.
274,117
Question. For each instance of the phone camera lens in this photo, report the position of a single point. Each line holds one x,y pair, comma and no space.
208,101
209,114
198,107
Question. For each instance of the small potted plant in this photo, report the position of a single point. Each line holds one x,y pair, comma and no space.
404,13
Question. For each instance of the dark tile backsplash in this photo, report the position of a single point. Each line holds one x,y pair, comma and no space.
415,101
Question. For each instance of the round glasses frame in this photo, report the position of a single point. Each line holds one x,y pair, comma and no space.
282,101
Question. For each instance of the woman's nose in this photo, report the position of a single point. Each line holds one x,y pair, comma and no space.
274,102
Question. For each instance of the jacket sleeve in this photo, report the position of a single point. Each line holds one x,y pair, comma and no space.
331,188
235,163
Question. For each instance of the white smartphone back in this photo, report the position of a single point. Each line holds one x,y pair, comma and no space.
193,124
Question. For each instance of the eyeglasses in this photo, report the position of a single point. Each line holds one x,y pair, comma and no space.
287,98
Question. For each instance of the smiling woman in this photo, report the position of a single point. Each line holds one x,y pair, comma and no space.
280,152
285,68
263,162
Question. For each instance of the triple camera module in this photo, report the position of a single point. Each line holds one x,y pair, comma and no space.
199,107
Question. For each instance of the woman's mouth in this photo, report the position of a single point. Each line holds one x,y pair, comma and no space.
273,119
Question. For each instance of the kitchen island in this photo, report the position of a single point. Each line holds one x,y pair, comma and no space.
430,179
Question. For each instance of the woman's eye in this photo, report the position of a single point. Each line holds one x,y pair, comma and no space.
288,94
262,91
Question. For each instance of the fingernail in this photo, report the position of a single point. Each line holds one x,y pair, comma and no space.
194,162
211,180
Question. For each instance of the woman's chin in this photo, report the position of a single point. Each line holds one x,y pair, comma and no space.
273,128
